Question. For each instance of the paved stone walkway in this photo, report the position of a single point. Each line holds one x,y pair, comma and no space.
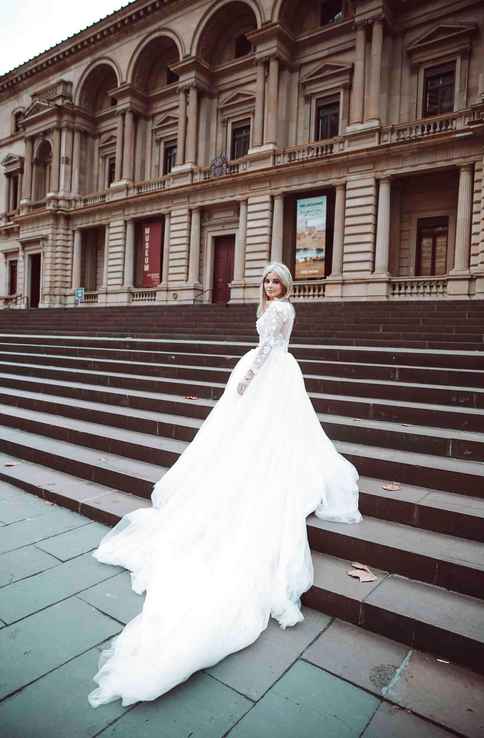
59,607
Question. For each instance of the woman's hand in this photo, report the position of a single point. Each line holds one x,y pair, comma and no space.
241,387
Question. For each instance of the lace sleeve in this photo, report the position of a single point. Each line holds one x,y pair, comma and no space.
272,329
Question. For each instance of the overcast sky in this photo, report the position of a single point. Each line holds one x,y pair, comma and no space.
28,27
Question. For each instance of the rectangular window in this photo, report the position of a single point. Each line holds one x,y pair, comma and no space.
169,156
111,170
240,139
13,192
439,84
12,277
432,235
327,118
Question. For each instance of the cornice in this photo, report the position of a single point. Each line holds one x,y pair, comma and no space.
87,39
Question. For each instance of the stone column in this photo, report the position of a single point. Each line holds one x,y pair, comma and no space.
128,145
194,265
3,275
464,215
358,89
21,286
76,259
76,162
166,250
119,147
129,254
382,249
7,194
66,160
27,178
106,258
339,228
182,127
192,131
239,259
373,112
258,136
272,100
277,227
53,186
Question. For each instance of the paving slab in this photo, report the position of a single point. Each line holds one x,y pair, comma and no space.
24,562
8,492
75,542
41,590
48,639
391,721
445,693
13,510
307,702
64,690
201,707
115,598
365,659
26,532
254,670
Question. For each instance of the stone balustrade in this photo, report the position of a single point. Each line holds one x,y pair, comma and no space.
309,290
147,295
419,288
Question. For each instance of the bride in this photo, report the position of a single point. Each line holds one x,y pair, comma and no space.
224,545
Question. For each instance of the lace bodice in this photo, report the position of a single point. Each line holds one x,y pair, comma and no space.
274,328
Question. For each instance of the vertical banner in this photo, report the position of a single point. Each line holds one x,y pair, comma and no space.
151,249
311,237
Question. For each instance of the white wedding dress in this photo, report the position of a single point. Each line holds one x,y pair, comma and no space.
224,546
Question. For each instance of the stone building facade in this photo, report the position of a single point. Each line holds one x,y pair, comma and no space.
167,152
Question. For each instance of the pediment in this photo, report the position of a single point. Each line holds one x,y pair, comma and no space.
235,99
12,162
166,121
38,106
327,69
443,33
107,139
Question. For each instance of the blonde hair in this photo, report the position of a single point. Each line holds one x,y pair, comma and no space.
284,275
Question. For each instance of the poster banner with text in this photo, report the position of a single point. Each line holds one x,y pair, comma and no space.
310,237
151,235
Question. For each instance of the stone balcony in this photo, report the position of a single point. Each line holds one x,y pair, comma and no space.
370,138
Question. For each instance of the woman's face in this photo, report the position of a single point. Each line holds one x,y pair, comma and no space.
273,286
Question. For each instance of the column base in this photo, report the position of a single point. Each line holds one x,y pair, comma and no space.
333,289
262,156
379,285
243,291
458,283
184,292
119,189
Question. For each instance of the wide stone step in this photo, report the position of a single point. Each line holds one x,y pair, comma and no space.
421,469
439,441
467,419
427,556
377,389
218,366
424,616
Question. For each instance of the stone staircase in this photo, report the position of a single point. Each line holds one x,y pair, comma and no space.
96,404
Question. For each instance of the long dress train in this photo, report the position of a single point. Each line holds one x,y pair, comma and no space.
224,546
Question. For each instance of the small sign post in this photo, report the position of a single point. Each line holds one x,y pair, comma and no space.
79,295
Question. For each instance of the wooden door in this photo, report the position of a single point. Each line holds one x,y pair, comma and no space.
223,268
34,280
